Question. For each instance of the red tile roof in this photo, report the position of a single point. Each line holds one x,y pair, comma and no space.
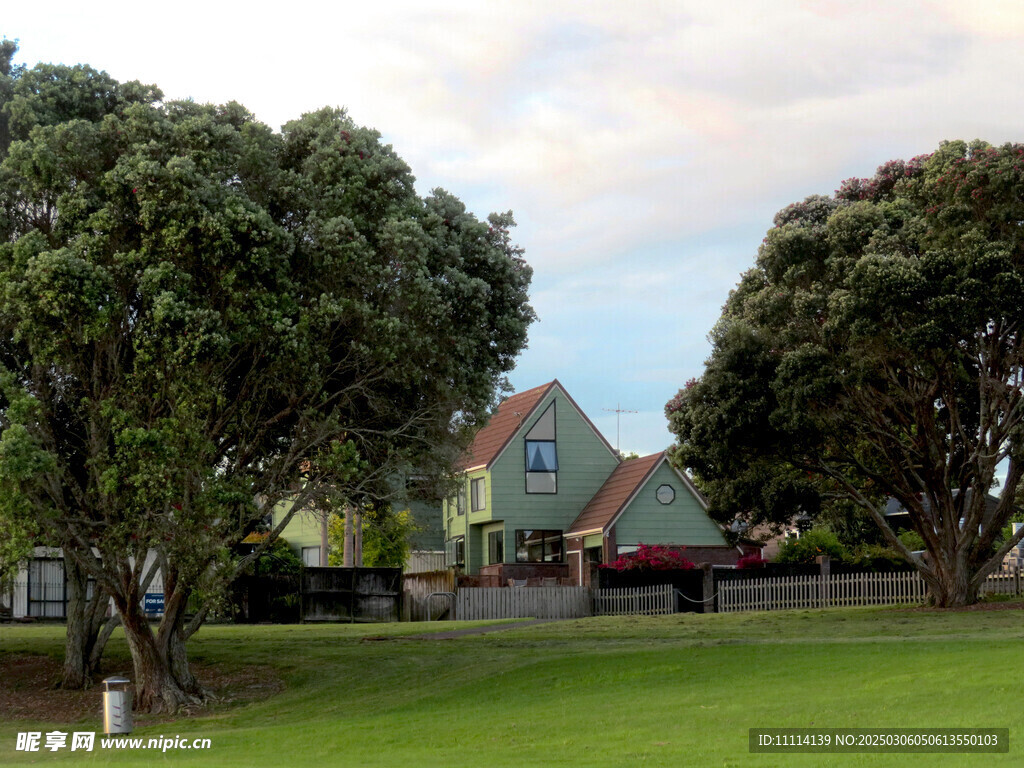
492,439
615,492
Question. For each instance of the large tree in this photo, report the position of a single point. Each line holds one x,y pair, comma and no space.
48,95
874,352
197,312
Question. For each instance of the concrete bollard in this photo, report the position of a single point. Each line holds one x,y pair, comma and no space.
117,705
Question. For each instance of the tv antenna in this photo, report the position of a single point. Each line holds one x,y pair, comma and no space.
618,411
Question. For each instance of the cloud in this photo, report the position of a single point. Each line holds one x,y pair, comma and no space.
644,147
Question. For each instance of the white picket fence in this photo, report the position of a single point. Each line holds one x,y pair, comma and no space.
633,601
477,603
1003,583
774,593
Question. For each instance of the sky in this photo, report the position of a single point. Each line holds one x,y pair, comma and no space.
643,147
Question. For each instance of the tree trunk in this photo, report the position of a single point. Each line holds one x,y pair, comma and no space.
324,545
156,688
83,641
101,642
952,586
348,555
172,638
359,539
77,643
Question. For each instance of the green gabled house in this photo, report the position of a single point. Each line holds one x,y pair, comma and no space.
543,493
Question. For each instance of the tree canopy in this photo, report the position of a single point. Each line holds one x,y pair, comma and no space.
875,351
195,309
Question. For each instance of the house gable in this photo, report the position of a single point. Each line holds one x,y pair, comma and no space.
584,459
679,517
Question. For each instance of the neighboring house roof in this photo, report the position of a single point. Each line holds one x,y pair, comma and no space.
491,441
623,483
894,509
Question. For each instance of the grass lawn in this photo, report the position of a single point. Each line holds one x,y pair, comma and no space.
675,691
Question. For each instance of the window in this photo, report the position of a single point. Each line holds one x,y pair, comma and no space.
666,494
311,556
455,551
496,547
46,590
542,482
478,491
462,499
542,454
533,546
541,466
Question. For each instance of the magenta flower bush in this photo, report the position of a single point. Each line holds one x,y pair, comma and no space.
652,557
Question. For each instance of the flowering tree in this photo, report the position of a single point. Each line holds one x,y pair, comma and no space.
876,350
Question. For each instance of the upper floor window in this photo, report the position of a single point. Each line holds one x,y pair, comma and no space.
461,499
478,493
542,454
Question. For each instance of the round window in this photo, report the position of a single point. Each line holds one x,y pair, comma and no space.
666,494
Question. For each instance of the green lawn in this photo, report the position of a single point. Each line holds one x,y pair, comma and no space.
675,691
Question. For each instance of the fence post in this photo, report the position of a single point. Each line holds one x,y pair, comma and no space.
824,563
708,606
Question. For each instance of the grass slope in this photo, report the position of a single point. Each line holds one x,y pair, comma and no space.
675,691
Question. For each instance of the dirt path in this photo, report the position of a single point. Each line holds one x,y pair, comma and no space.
478,630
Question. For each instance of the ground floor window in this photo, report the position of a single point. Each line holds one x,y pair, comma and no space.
536,546
47,588
311,556
496,547
455,551
592,554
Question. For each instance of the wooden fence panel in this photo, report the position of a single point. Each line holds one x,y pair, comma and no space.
417,605
351,594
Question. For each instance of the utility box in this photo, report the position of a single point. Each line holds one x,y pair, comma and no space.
117,705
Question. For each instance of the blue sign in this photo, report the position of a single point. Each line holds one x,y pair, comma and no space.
153,602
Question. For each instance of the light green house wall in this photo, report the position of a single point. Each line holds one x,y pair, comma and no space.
303,530
456,525
684,521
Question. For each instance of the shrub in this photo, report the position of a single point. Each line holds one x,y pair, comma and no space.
809,546
879,558
652,557
912,540
753,560
278,558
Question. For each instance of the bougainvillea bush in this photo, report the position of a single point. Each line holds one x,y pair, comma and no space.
753,560
652,557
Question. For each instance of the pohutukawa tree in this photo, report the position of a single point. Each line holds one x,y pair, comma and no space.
875,351
198,311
